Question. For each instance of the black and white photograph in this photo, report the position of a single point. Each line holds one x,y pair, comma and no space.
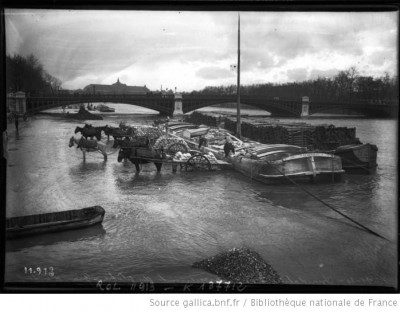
168,150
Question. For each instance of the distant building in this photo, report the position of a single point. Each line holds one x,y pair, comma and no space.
116,88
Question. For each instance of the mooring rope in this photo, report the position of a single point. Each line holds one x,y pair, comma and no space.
328,205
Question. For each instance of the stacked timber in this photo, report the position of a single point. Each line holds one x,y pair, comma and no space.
200,118
322,137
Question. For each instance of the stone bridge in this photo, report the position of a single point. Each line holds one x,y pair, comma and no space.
176,104
295,108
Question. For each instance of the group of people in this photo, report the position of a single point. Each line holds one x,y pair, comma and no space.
90,107
228,146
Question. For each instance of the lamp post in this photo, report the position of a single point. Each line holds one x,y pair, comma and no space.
238,121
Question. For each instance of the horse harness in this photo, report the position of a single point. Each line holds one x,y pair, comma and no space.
87,144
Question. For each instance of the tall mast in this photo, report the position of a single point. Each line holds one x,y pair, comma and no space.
238,122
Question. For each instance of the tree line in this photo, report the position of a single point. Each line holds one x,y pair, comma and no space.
346,86
27,74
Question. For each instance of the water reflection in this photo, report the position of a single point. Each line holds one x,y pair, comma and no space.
89,233
85,168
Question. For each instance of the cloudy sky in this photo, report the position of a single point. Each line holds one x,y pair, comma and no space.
191,50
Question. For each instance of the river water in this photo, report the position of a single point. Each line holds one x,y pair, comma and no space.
158,224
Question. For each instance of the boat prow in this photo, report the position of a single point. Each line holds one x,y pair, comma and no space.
360,158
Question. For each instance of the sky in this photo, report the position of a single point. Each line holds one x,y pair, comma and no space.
189,50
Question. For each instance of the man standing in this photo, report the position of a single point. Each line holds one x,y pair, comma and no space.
228,147
16,122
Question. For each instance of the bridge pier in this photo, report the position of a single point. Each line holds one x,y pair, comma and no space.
305,106
177,105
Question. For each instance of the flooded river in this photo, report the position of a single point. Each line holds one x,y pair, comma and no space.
158,224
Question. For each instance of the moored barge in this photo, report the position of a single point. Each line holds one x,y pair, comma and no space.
270,163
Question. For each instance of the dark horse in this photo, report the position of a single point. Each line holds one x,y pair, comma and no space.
89,131
116,132
131,142
126,153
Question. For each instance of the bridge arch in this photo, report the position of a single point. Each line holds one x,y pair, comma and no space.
275,106
164,105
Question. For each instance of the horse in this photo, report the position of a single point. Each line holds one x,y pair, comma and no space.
122,143
116,132
125,153
88,146
131,142
89,131
104,128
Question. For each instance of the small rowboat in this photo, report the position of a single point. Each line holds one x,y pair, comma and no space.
358,158
52,222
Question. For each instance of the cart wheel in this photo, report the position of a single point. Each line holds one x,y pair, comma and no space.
198,162
174,148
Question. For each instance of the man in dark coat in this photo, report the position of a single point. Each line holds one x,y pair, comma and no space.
228,147
202,142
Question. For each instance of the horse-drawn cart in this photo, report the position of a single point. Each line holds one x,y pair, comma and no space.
176,154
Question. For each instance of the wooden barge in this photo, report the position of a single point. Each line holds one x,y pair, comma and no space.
53,222
342,141
269,163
